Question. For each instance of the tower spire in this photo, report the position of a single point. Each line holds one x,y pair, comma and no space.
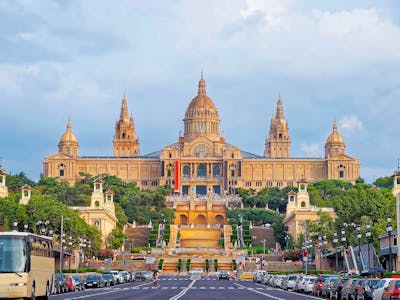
202,85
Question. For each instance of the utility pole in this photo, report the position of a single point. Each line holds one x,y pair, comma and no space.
262,258
305,246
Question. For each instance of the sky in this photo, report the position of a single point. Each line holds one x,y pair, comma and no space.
328,60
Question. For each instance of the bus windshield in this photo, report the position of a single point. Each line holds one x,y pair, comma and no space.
13,256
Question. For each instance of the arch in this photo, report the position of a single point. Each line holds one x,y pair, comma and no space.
201,171
123,135
183,219
200,219
216,171
186,171
303,204
219,219
201,150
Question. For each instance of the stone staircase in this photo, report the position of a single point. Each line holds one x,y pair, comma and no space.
170,265
225,264
137,237
261,233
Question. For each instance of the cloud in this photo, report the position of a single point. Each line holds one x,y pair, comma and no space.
350,123
311,150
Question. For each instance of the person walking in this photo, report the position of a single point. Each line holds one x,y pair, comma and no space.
155,279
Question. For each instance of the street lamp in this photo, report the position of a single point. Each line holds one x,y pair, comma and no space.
15,225
61,242
389,229
233,168
320,250
262,259
358,227
287,237
343,238
335,241
368,235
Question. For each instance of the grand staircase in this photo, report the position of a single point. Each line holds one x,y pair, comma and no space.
137,237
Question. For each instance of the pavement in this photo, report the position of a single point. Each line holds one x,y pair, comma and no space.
174,287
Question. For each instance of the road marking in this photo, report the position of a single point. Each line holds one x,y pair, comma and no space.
183,292
258,292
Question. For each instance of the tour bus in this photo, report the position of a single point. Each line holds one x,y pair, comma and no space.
26,265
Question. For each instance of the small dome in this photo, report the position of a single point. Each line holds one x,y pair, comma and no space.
201,105
335,137
68,136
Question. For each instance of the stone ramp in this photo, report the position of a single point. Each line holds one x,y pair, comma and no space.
261,233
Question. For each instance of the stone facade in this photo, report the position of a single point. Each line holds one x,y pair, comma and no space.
3,186
201,161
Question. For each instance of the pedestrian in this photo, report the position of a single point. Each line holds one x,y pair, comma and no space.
155,279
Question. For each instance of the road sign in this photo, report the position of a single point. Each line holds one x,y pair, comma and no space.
241,259
150,260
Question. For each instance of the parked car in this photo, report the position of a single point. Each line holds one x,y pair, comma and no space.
109,279
258,275
291,282
317,290
383,283
298,283
367,288
392,291
117,275
309,285
326,286
126,275
336,289
94,281
223,275
78,282
245,276
143,275
70,284
347,290
60,284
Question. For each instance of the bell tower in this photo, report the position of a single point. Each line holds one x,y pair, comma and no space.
126,143
3,186
277,144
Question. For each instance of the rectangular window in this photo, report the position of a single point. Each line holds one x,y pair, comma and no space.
144,183
61,173
279,184
269,183
258,183
248,184
341,174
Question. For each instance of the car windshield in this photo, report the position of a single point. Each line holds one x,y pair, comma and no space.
373,283
312,280
91,278
13,255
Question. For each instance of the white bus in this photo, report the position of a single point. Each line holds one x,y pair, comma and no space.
26,265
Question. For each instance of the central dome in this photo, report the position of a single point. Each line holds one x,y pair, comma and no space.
201,105
201,117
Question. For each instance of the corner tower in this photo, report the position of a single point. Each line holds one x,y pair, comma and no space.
277,144
201,117
334,144
125,141
68,143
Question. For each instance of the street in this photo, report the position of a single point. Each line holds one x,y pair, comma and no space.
185,288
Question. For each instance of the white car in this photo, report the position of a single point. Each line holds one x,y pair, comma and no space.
309,285
119,278
258,275
384,282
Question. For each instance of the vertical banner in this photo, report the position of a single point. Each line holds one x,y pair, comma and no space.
176,176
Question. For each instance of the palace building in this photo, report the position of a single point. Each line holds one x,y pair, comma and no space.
201,161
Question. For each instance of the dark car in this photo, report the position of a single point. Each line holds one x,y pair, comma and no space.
223,275
109,279
94,281
367,288
336,289
79,283
60,284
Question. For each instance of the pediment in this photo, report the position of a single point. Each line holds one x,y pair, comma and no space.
59,156
341,157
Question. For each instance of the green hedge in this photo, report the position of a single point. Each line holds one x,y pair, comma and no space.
234,265
139,249
216,264
160,264
188,264
179,265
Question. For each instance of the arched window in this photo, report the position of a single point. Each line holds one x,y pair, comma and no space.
201,171
216,171
123,135
186,171
303,204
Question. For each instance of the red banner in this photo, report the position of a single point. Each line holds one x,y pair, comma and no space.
176,176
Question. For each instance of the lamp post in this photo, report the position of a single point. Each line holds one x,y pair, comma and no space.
15,225
233,168
262,258
287,241
343,238
320,250
61,242
359,247
368,235
389,229
335,241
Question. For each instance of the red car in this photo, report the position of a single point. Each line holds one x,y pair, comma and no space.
70,284
392,291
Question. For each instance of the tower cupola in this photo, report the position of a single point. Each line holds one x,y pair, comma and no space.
68,143
334,144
